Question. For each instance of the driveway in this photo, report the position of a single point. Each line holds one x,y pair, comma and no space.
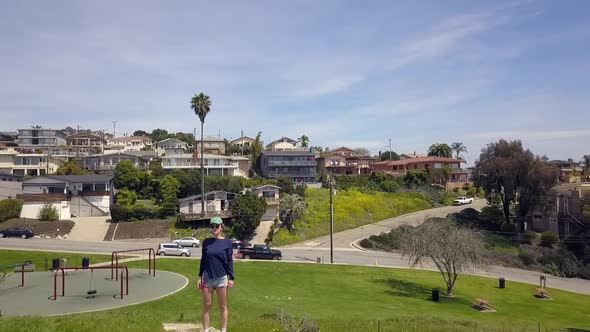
344,239
89,229
261,232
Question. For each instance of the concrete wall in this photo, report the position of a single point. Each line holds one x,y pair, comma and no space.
31,210
10,189
89,206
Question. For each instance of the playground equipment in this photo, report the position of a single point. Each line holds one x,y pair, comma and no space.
115,262
91,292
22,267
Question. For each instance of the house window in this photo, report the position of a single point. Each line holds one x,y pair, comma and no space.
190,207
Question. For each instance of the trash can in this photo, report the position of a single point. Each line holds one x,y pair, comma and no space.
502,282
85,262
435,295
319,260
55,264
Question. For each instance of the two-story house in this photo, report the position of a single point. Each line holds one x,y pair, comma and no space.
213,164
243,141
39,139
217,204
344,161
296,164
211,145
84,144
131,143
271,195
71,195
458,177
170,146
108,161
570,171
283,144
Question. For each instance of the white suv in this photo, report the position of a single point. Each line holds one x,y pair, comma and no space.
172,249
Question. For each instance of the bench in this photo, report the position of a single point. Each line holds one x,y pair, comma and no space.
543,293
483,304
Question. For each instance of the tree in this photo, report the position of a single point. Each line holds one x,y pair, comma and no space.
140,133
586,160
247,211
389,155
304,141
126,175
549,238
159,134
515,174
287,185
292,208
257,148
451,248
48,212
440,150
201,105
71,168
170,187
156,169
458,147
187,138
415,178
362,151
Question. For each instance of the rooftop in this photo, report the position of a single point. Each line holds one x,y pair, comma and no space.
131,139
418,160
88,178
288,153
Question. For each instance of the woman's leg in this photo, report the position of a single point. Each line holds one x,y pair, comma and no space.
223,310
207,295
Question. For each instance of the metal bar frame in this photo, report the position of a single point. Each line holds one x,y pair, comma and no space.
115,262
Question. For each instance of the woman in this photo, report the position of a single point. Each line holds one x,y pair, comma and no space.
216,272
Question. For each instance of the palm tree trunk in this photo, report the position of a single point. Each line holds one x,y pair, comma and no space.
202,174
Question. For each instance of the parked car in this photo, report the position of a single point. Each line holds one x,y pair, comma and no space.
188,242
260,251
172,249
237,244
17,232
462,200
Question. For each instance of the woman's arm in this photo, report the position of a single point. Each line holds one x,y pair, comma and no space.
202,265
230,261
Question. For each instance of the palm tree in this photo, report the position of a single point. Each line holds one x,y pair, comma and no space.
292,207
586,160
202,106
440,150
458,147
304,140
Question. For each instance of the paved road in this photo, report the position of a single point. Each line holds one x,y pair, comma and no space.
349,256
345,238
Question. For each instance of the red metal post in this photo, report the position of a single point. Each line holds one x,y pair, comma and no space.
121,284
63,282
55,286
112,261
117,266
22,275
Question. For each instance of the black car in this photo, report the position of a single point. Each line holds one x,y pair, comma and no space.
16,232
260,251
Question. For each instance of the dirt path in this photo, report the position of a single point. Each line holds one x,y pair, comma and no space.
89,229
261,232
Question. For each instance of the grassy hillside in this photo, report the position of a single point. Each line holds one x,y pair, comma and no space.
353,208
337,298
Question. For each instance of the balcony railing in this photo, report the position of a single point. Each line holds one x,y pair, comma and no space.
292,163
206,215
274,174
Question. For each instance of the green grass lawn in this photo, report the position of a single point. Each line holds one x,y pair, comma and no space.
338,298
353,209
11,257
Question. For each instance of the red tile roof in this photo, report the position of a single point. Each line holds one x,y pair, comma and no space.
428,159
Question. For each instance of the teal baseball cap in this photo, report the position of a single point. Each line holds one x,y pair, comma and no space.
216,220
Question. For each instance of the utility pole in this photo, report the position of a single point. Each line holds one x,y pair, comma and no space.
77,142
389,149
242,138
331,179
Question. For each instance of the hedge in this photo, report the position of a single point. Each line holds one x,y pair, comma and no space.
135,212
10,208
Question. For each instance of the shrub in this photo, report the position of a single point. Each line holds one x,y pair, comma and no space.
389,186
508,229
119,213
48,212
10,208
387,241
548,239
293,324
137,212
551,269
584,272
569,268
527,258
472,192
530,236
126,197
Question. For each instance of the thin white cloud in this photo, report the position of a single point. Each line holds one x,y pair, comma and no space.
328,86
532,135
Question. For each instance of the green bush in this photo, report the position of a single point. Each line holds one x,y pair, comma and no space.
508,229
530,236
584,272
119,213
48,212
548,239
389,186
10,208
137,212
552,269
126,197
569,268
527,258
387,241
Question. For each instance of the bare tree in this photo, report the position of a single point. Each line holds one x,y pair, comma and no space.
451,248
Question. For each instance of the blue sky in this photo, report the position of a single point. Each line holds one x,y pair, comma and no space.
350,73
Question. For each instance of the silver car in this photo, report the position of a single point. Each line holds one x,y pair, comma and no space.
188,242
172,249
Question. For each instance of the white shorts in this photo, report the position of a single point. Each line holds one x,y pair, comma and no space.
216,282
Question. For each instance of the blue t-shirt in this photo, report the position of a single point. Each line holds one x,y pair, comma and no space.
217,259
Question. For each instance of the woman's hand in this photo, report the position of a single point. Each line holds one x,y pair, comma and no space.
230,284
201,283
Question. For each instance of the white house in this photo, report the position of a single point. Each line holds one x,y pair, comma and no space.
131,143
170,146
270,194
217,203
72,195
213,164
